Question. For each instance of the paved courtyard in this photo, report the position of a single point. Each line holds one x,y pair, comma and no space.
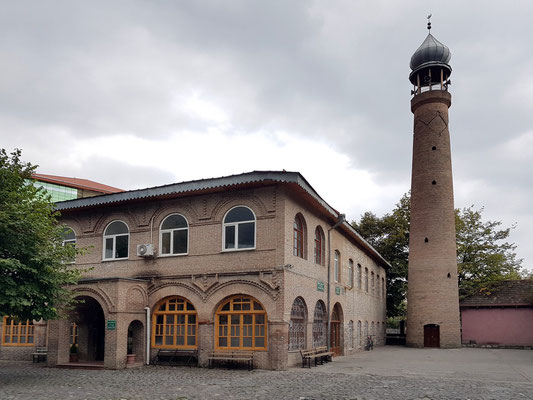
387,372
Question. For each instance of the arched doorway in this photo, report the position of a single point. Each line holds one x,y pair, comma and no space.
88,329
431,335
336,319
136,341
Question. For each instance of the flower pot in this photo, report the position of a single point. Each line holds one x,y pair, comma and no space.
73,357
130,358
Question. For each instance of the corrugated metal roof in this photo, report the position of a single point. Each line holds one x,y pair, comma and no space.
190,187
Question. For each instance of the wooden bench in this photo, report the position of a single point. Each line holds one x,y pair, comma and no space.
40,354
319,354
323,353
172,356
307,356
231,356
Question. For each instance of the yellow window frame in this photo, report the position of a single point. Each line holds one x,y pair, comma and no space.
240,329
185,328
18,330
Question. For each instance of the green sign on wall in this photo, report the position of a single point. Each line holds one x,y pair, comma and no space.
320,286
111,325
337,290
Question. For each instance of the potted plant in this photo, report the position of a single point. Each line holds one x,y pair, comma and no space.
73,357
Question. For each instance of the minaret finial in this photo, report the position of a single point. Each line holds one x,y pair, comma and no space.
429,22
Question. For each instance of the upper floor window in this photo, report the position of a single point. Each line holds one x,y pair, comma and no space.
350,273
378,291
336,266
319,246
359,276
382,287
69,237
366,280
116,241
174,235
239,229
372,281
298,237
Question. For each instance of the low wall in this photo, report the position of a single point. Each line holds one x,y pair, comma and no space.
502,326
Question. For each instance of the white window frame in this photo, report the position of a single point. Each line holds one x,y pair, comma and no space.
236,224
351,273
71,241
171,231
114,237
336,266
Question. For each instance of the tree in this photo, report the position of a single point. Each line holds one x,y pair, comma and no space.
484,256
389,235
35,267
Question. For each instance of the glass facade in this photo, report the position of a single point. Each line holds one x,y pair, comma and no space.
58,192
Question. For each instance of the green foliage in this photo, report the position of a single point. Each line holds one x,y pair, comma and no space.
34,266
389,235
484,256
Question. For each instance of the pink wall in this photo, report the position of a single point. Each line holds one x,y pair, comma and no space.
504,326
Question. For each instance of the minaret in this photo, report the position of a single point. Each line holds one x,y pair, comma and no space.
432,295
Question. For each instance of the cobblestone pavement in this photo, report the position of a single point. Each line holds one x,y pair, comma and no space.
345,378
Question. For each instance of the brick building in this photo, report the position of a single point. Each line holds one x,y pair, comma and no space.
239,262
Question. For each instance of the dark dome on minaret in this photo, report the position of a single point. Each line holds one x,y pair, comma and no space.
430,51
428,61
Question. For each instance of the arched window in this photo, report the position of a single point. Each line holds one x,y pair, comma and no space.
239,229
116,241
319,246
351,335
359,334
241,323
350,272
378,291
378,331
69,237
372,332
336,266
366,331
372,281
174,235
298,236
382,287
297,325
366,280
320,325
359,276
175,324
17,333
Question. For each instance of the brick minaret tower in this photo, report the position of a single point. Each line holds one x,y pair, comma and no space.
432,296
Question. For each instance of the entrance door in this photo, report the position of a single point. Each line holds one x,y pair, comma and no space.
431,335
335,332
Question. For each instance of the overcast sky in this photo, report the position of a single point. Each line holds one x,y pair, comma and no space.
142,93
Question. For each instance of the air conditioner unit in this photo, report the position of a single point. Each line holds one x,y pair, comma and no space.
145,250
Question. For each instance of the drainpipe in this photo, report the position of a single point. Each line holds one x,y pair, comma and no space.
148,332
339,222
